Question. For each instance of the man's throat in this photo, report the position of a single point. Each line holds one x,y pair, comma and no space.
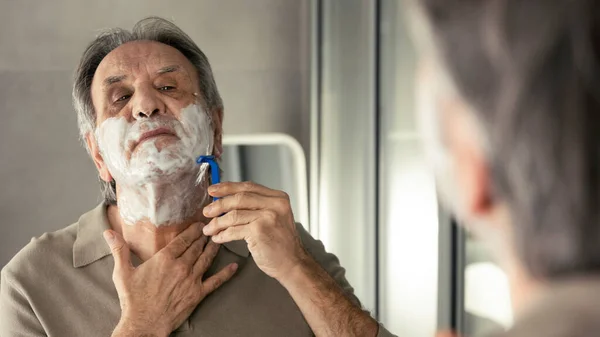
161,203
150,216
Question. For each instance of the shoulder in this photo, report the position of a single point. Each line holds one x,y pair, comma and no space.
569,310
328,261
313,246
305,236
30,278
42,255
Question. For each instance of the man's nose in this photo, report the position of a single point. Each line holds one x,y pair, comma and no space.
147,105
145,113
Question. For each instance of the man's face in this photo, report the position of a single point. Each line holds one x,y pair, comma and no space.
151,123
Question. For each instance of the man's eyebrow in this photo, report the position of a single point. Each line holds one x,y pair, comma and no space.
118,78
168,69
113,79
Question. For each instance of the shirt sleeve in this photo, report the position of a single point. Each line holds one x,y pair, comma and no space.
17,318
328,261
332,266
383,332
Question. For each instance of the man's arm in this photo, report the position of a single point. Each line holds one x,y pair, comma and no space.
325,306
16,315
263,218
324,279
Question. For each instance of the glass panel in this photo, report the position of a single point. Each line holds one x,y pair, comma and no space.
408,213
487,299
347,153
431,273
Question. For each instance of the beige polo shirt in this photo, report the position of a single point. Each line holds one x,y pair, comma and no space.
61,285
569,307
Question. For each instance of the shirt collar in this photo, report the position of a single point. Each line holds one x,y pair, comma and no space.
90,246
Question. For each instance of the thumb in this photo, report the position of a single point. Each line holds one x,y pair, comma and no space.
119,249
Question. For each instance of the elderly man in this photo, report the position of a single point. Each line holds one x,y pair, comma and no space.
147,106
512,105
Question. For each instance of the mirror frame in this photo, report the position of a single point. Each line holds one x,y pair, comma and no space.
299,164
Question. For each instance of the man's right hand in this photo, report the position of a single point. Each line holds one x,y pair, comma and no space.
159,295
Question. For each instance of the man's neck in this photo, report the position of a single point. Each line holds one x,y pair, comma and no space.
150,216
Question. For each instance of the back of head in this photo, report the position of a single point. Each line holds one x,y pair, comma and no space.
530,70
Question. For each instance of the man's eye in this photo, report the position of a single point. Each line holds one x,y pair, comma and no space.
123,98
166,88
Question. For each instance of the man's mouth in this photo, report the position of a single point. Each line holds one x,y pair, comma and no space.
152,134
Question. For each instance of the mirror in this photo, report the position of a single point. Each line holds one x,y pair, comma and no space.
274,160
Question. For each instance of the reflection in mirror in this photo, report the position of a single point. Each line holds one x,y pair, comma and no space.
273,160
487,297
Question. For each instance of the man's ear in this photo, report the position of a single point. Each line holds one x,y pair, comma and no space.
103,172
217,121
472,171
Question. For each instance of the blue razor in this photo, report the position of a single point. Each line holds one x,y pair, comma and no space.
214,169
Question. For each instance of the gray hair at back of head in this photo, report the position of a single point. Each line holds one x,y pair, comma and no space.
530,69
149,29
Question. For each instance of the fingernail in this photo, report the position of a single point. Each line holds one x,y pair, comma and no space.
109,236
208,209
234,267
213,188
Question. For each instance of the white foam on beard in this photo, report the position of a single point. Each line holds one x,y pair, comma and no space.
151,182
202,140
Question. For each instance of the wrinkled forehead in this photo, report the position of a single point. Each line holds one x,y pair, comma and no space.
142,59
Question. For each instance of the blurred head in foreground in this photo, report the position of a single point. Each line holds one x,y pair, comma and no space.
509,92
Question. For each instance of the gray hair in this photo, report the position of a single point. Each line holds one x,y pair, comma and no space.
149,29
530,69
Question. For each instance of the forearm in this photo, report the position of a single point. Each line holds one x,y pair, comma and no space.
324,304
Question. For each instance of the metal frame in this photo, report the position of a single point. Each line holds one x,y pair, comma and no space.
355,27
451,309
315,109
299,163
344,174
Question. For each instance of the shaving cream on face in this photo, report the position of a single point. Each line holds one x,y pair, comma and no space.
157,178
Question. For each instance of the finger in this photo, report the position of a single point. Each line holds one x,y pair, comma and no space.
182,241
232,218
119,250
191,254
206,258
228,188
241,200
212,283
235,233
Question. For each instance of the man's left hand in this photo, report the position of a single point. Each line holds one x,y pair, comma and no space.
263,218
